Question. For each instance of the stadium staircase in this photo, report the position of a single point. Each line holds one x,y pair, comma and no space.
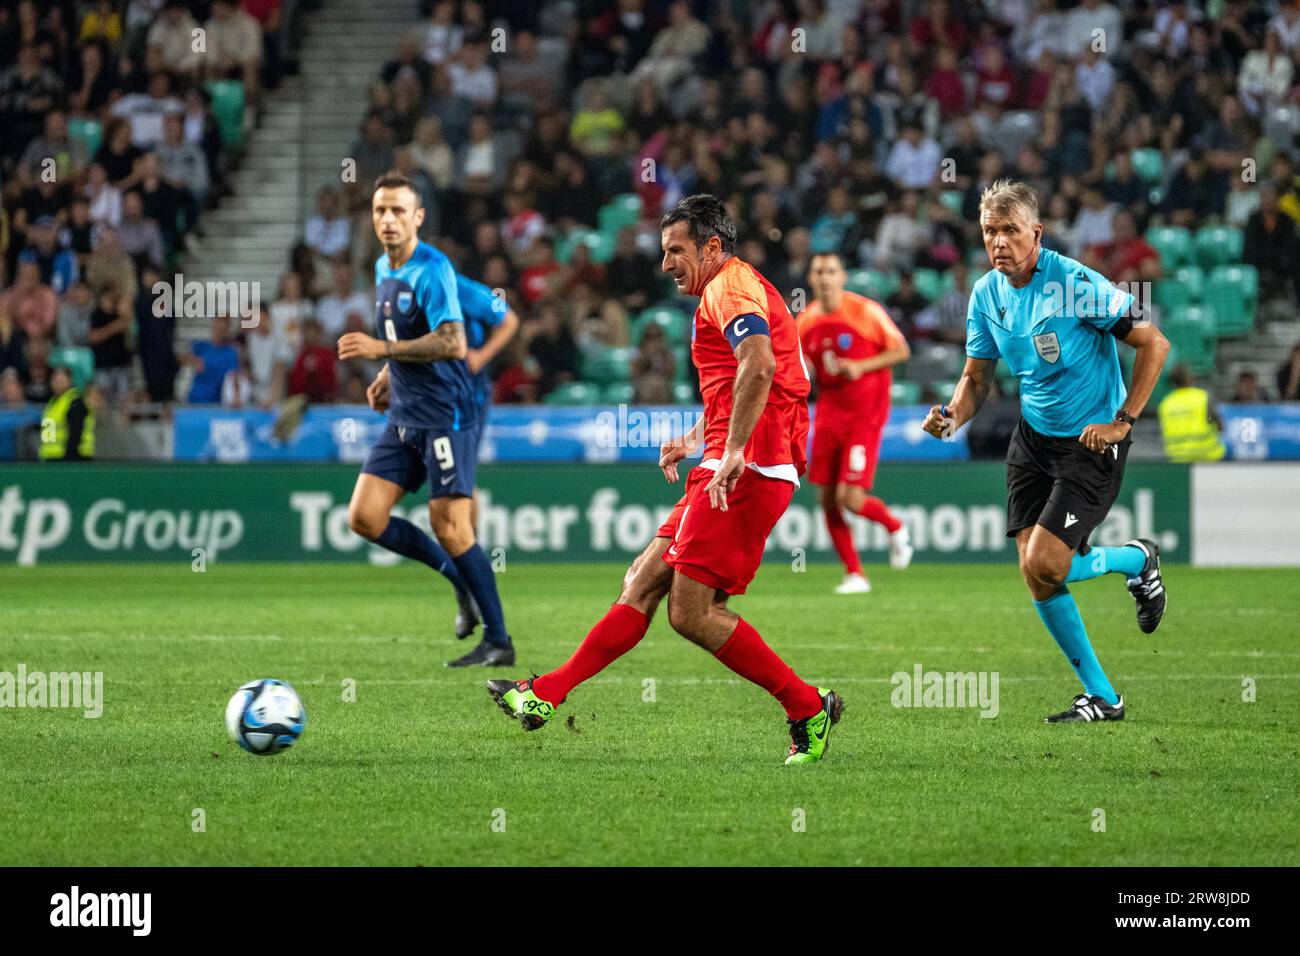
308,125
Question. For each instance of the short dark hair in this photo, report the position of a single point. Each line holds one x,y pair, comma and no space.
395,180
822,253
705,216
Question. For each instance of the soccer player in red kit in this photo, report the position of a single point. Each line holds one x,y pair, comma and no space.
746,348
851,344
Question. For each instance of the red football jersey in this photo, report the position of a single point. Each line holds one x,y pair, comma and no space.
858,329
781,434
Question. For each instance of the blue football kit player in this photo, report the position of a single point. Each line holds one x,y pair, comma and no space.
489,325
1055,323
432,431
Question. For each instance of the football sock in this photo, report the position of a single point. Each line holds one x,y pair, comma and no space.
842,538
402,537
1128,561
481,582
1061,615
748,655
873,509
620,630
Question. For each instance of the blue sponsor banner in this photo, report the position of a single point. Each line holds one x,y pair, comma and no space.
1262,432
516,433
12,422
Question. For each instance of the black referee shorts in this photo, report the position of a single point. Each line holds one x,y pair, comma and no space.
1061,485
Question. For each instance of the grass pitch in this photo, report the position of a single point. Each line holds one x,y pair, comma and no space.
424,769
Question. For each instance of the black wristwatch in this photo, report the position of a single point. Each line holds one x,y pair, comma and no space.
1125,417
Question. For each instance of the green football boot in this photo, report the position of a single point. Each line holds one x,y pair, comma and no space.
517,699
810,737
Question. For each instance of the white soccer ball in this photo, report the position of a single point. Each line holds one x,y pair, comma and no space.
265,717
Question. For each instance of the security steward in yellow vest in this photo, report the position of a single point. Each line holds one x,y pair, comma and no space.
1188,421
67,424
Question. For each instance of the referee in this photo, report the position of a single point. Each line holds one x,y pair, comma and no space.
1055,323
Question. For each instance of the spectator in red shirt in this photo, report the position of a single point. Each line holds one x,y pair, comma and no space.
938,27
1127,257
945,84
314,370
994,81
534,282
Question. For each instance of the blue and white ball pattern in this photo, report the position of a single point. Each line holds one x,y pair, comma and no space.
265,717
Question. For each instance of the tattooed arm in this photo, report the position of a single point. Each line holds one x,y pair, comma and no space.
445,342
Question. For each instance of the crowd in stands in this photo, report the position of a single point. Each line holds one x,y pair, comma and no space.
547,139
111,151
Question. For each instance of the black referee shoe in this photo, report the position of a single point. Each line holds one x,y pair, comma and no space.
486,655
1148,588
1088,709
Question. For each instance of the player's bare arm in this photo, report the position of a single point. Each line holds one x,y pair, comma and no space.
378,391
967,399
1152,350
900,351
754,374
444,343
675,449
501,335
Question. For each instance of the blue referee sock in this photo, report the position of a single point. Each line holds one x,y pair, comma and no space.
402,537
476,569
1128,561
1061,615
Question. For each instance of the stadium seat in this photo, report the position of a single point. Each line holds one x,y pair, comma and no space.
1232,291
88,132
228,107
606,366
684,394
952,198
1192,331
80,361
872,284
1218,246
1007,382
601,245
619,393
622,210
676,326
1174,243
929,283
905,393
574,393
1182,287
1149,164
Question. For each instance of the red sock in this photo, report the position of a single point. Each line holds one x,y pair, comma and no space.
748,655
873,509
620,630
842,538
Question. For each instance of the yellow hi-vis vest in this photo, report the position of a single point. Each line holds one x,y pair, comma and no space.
54,428
1185,424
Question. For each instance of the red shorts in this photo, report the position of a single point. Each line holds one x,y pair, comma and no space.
723,549
845,454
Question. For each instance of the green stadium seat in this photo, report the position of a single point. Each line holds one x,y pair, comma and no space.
600,245
929,283
952,198
904,393
674,322
623,210
574,393
606,366
1218,245
1149,164
1192,331
684,394
80,361
685,370
88,132
873,284
1232,291
228,107
1174,243
619,393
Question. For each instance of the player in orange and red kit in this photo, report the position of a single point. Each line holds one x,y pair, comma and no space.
755,425
851,344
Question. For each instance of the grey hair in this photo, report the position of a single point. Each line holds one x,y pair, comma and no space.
1006,197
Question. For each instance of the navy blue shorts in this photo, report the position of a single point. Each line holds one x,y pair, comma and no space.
407,456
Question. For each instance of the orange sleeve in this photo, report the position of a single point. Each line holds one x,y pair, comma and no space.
878,326
736,291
